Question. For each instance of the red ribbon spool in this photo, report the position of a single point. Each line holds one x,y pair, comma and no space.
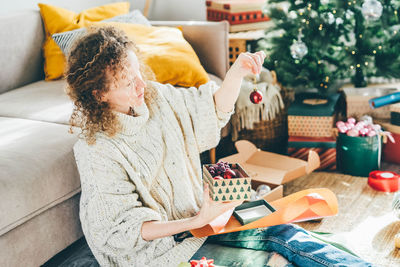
384,181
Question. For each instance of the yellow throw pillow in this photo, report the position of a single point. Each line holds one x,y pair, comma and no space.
166,52
56,20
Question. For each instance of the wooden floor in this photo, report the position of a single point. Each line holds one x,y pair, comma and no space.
365,221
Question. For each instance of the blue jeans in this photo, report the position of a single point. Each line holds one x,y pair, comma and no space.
288,240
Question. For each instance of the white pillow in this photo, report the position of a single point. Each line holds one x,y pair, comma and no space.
134,17
65,39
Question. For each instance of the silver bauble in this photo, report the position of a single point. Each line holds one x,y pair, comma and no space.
298,50
329,17
262,190
371,9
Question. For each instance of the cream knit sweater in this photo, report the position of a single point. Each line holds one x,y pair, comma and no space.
149,171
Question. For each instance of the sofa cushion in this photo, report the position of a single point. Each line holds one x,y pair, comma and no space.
37,169
41,101
56,19
22,37
65,40
160,48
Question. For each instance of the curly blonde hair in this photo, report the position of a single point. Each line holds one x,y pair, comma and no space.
92,65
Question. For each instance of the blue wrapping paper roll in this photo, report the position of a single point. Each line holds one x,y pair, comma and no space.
381,101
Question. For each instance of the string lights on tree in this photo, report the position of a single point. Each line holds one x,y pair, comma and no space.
336,39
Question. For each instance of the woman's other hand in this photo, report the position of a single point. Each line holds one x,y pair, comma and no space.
212,209
248,63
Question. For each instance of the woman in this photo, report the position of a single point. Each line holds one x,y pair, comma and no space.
138,155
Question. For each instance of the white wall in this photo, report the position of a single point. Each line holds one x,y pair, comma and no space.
159,10
178,10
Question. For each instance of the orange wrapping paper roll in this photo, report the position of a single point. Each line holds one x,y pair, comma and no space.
304,205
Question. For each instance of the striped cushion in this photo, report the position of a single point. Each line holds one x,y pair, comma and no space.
65,39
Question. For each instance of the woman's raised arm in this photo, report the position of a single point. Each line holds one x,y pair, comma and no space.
245,64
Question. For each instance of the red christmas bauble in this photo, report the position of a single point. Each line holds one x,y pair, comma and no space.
256,96
228,174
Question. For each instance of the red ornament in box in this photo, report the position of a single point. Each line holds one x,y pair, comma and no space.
227,181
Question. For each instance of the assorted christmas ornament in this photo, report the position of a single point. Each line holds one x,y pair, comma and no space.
261,191
371,9
298,49
256,96
329,18
364,127
221,171
341,41
246,112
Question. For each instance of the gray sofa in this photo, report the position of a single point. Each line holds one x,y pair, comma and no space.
39,182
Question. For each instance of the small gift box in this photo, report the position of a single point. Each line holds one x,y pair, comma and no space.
312,115
237,187
358,105
252,211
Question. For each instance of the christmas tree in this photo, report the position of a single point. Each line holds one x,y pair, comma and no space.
319,43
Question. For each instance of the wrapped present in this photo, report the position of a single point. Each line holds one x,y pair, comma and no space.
235,6
395,114
395,118
391,151
299,147
241,15
237,18
357,101
225,186
395,108
312,115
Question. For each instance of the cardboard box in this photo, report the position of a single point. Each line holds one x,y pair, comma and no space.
228,189
271,168
358,105
252,211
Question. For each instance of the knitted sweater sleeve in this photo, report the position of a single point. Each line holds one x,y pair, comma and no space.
111,211
206,119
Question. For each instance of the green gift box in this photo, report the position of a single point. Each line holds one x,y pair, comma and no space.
252,211
229,189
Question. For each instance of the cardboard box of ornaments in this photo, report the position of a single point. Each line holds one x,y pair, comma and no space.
252,167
